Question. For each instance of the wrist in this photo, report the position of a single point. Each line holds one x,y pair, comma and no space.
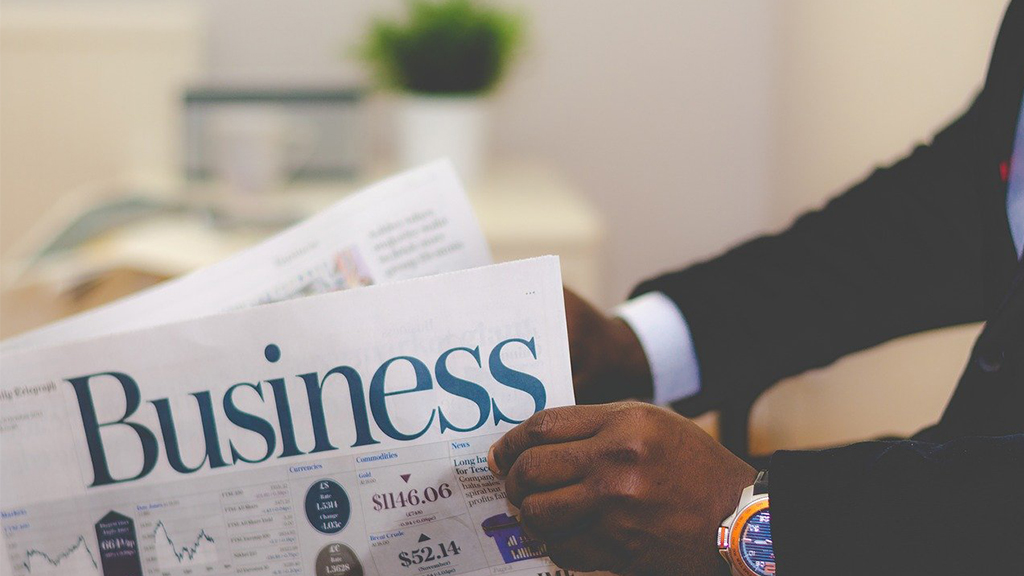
630,365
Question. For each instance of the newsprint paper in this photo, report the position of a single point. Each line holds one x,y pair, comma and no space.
414,224
342,434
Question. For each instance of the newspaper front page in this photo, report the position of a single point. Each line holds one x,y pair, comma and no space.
414,224
343,434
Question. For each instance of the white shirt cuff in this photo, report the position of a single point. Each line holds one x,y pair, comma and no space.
665,337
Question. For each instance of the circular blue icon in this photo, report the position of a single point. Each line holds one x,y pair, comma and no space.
327,506
272,353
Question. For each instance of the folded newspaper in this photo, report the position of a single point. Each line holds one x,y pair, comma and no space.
187,431
415,224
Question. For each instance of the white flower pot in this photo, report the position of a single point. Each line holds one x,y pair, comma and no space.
432,127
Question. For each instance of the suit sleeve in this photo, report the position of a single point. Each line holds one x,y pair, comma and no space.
898,253
896,508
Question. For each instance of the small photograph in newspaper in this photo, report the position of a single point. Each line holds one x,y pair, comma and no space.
343,434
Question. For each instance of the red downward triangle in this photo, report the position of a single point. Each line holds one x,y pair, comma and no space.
405,477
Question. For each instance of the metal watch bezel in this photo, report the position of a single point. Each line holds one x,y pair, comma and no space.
729,536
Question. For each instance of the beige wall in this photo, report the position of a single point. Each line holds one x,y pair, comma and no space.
859,83
659,110
90,94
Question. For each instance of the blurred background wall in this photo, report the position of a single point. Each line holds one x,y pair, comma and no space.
859,84
691,125
665,105
729,115
87,91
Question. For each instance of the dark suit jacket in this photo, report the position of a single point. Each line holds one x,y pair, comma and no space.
919,245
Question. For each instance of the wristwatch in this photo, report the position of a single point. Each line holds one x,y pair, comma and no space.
745,537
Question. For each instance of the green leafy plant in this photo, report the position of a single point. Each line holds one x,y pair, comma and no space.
443,47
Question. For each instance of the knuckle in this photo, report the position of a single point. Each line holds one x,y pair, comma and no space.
626,488
604,487
529,511
631,487
629,451
541,425
527,466
518,483
533,516
502,448
636,412
643,422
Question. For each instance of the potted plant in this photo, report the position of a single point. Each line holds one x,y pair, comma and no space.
444,59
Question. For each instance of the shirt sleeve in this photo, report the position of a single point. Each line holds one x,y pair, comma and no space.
665,337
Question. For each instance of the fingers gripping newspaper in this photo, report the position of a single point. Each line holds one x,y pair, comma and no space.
340,434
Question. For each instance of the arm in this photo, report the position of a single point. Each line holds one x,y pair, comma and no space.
899,253
896,254
900,508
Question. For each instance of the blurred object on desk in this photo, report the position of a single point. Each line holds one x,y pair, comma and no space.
161,232
90,92
120,243
257,137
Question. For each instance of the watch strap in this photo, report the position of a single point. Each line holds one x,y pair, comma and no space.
761,482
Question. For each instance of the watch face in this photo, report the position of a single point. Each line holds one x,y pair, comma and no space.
756,544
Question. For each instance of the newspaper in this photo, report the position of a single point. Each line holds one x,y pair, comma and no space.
415,224
343,434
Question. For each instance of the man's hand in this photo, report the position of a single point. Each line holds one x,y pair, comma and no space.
629,488
608,363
